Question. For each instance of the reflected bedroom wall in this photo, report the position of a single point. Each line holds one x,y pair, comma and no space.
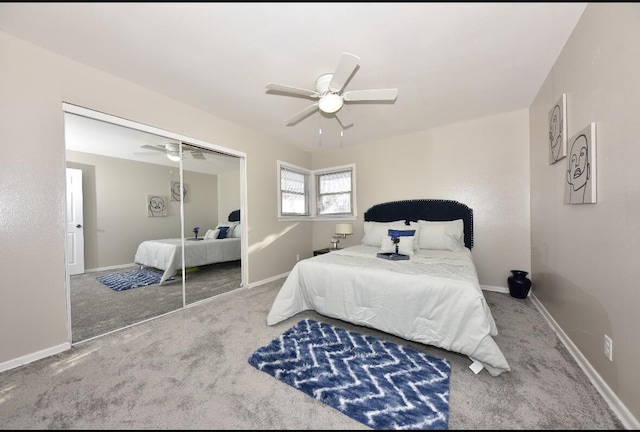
115,206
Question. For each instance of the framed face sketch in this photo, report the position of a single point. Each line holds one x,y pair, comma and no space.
558,130
580,183
157,206
175,191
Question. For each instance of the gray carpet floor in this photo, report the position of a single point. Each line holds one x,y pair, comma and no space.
97,309
189,370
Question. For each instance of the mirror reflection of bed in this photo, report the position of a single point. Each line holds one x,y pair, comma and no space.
211,259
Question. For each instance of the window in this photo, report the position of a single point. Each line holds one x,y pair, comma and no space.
294,192
332,190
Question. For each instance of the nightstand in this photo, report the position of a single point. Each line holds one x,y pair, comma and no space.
323,251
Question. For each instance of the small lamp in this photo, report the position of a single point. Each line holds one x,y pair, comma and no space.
342,229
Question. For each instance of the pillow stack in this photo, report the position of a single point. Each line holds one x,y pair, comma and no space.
229,230
429,235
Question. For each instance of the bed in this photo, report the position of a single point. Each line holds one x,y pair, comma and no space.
166,254
433,297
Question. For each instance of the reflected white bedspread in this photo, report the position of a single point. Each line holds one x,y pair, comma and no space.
434,298
166,254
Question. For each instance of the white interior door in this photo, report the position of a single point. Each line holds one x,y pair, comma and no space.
75,233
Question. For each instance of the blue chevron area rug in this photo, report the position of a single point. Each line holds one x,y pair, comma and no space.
381,384
131,279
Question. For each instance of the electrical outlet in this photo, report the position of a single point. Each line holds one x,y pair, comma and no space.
608,347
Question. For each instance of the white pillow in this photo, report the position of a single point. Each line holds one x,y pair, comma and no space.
237,231
445,235
405,245
416,236
212,234
374,232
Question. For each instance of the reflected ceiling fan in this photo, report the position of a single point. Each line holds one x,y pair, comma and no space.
329,92
172,150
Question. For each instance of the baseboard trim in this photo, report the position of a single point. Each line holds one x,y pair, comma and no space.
115,267
12,364
625,416
495,288
268,280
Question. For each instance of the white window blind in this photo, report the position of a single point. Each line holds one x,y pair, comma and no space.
294,191
334,192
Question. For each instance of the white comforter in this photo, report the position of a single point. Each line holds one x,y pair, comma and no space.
166,254
434,298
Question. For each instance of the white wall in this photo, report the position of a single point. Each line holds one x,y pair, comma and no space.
228,195
482,163
584,257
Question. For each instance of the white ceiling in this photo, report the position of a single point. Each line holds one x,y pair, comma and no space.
89,135
450,62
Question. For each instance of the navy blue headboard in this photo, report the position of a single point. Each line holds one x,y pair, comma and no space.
425,209
234,216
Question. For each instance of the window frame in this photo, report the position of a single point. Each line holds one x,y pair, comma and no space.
313,194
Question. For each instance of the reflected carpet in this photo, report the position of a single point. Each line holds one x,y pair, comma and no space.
378,383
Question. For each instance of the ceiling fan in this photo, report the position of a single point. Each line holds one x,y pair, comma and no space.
172,150
329,92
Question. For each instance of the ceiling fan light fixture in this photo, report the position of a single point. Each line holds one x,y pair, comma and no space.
173,151
330,103
173,157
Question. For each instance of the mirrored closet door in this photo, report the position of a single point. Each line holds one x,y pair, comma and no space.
126,222
211,196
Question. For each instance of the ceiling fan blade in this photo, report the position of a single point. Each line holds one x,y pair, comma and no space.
344,118
370,95
150,147
346,67
293,90
302,114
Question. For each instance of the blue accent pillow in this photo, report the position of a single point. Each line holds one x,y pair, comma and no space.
223,232
400,233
